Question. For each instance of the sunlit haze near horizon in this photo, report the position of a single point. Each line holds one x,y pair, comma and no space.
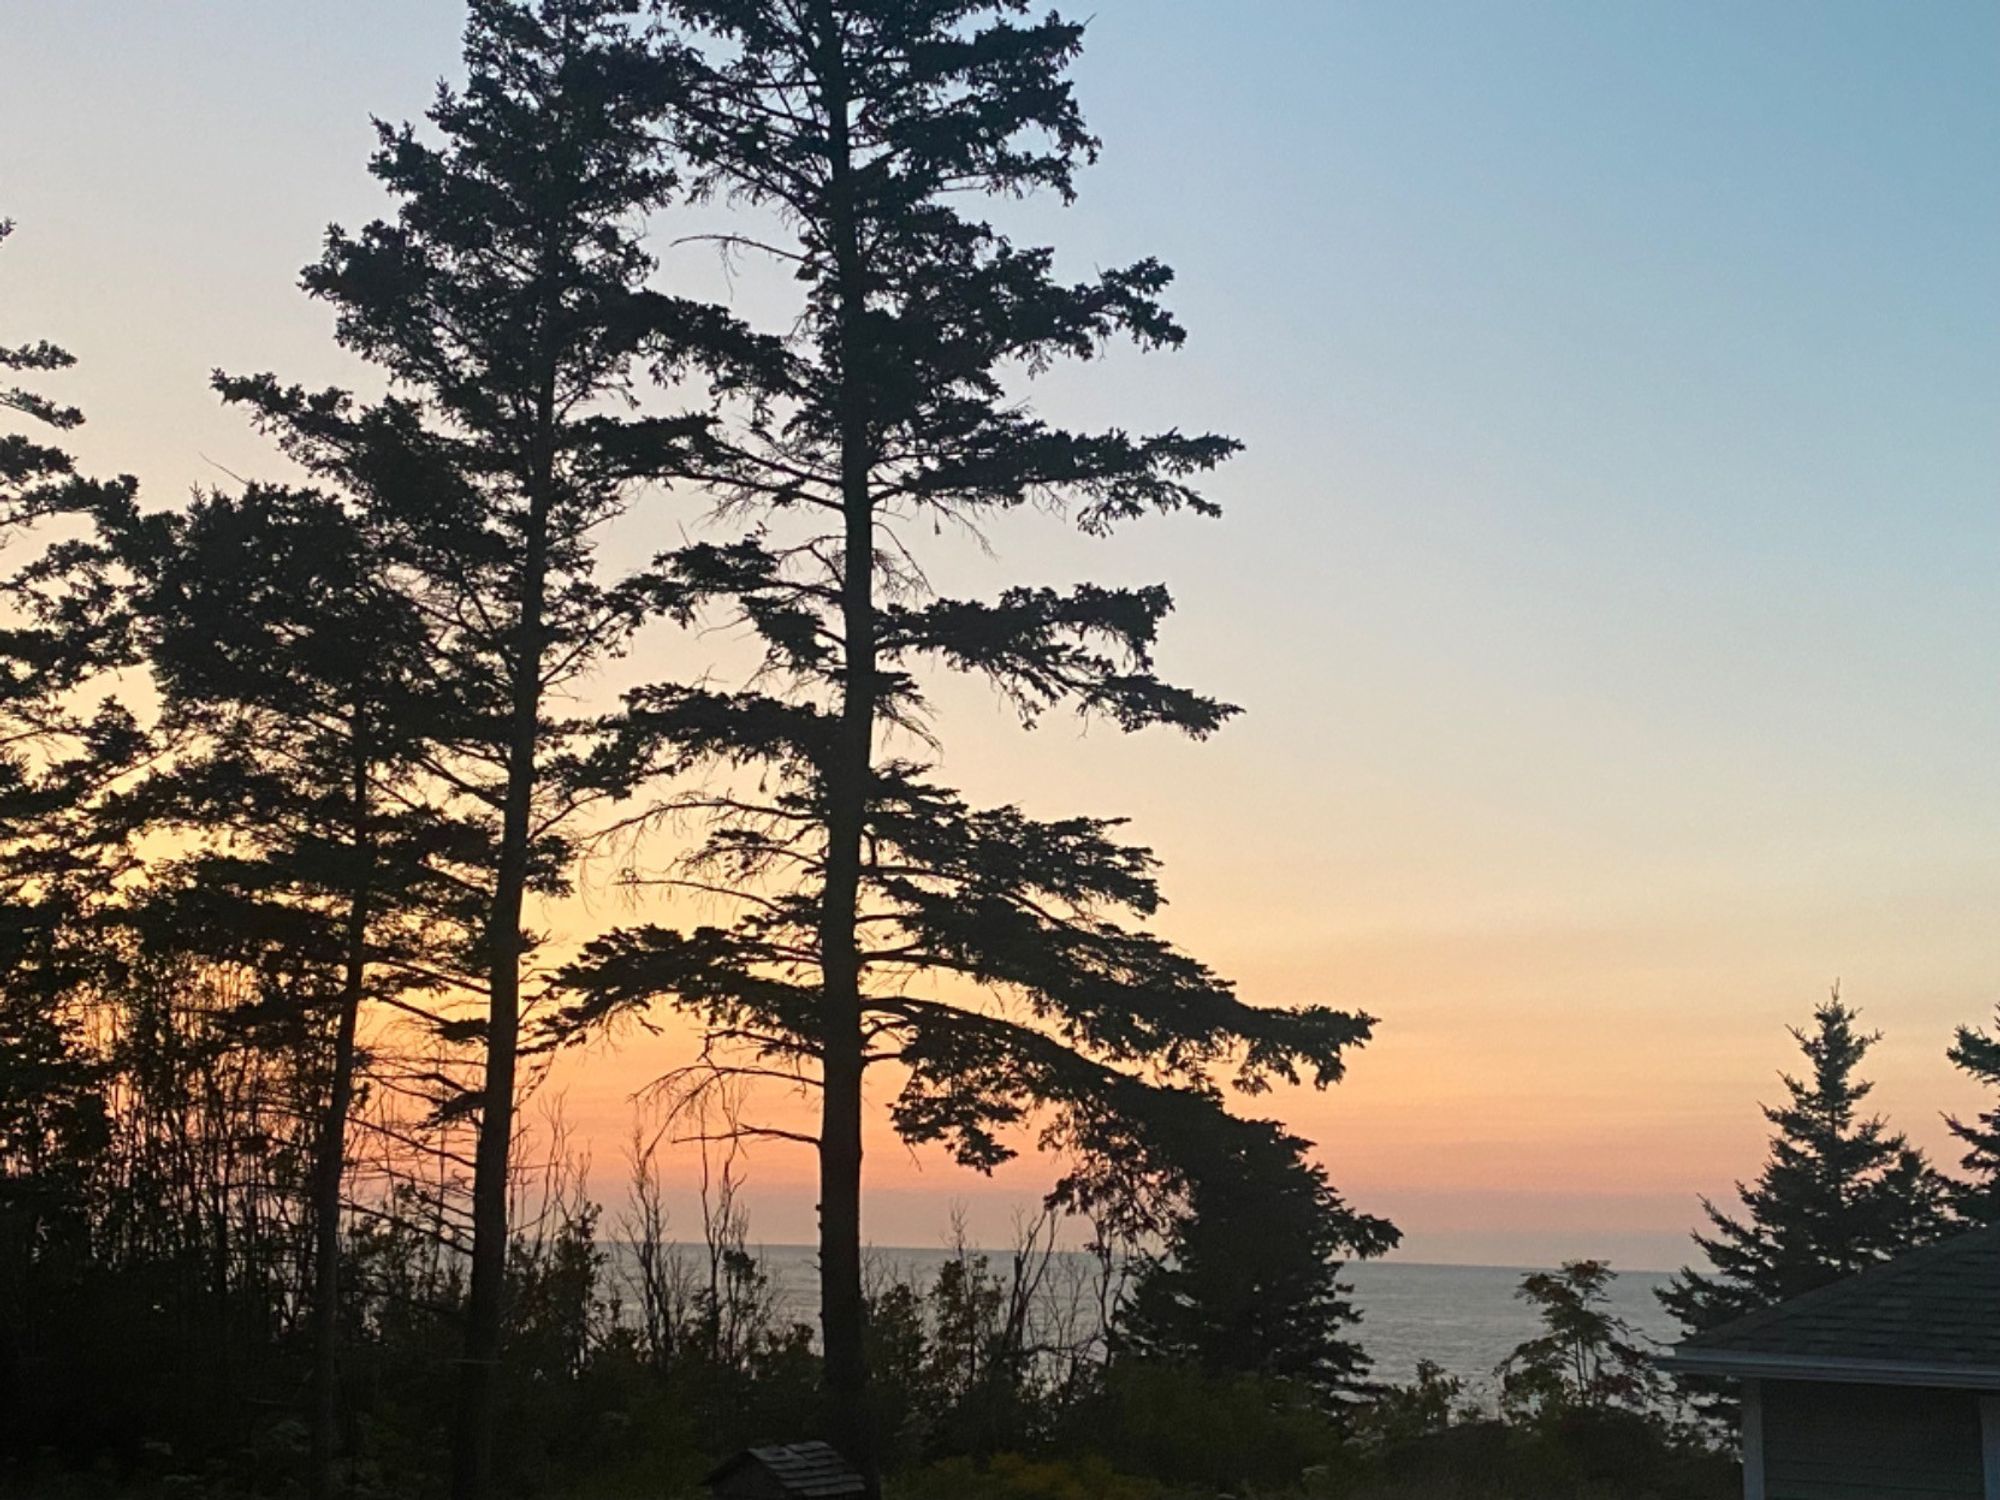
1608,581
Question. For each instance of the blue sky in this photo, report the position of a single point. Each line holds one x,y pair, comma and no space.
1609,577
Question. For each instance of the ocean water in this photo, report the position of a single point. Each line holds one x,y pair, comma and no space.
1466,1319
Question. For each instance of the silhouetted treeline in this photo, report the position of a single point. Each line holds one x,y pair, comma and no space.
290,770
290,773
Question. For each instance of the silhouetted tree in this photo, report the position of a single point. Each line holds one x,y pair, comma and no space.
883,917
292,670
1586,1358
1976,1197
62,742
1247,1280
63,627
509,302
1839,1192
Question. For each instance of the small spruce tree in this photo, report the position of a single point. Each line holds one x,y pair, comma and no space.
1975,1198
1839,1192
1247,1278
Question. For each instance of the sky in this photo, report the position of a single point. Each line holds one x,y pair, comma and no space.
1607,579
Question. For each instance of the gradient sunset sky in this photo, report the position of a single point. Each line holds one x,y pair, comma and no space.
1612,579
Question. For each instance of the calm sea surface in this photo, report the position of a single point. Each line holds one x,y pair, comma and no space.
1466,1318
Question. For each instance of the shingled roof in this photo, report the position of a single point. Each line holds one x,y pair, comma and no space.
1931,1317
810,1471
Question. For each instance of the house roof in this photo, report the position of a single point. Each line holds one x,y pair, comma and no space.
1931,1317
812,1471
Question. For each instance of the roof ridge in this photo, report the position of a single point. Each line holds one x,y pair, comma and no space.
1845,1286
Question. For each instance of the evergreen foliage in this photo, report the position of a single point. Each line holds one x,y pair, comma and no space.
65,626
1839,1192
293,674
877,917
509,302
64,740
236,1249
1975,1197
1247,1280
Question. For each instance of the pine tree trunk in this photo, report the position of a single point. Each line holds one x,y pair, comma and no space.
842,1310
478,1407
330,1164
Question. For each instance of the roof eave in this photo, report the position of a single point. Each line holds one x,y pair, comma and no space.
1740,1364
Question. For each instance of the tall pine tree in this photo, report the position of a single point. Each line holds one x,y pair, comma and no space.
1839,1193
509,302
878,918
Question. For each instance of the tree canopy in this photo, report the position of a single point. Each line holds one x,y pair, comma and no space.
1839,1192
373,742
510,302
1586,1358
64,740
996,962
1246,1278
1976,1196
